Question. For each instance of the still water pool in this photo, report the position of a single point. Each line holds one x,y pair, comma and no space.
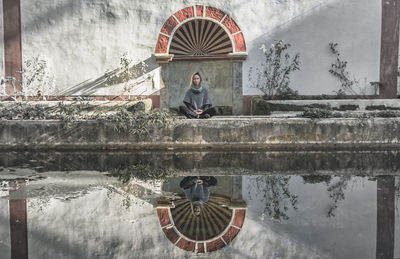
311,204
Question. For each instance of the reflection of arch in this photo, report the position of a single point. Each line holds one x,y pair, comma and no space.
215,237
199,15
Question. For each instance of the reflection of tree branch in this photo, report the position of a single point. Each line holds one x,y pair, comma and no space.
336,193
128,175
275,190
143,172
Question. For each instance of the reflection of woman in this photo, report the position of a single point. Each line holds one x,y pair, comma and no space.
197,100
197,191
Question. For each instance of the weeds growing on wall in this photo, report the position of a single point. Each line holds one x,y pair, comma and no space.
123,121
37,79
142,172
274,76
339,70
125,73
140,122
316,113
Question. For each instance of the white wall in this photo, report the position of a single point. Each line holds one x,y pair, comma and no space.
82,39
354,24
1,43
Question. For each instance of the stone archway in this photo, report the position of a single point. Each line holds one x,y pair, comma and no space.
205,39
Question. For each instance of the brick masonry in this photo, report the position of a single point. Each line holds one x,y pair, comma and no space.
215,245
210,12
230,234
163,217
184,14
184,243
171,234
214,13
239,218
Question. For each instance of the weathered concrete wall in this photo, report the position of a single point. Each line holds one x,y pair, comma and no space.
216,76
218,133
82,39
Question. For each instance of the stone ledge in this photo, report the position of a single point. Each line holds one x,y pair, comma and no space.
221,133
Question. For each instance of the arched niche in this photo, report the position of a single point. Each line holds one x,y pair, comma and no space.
201,39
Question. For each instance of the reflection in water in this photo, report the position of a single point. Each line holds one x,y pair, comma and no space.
78,216
336,193
200,217
278,197
201,221
197,191
385,217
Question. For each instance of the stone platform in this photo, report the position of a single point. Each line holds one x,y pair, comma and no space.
217,133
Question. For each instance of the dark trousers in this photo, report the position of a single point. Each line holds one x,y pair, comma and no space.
192,115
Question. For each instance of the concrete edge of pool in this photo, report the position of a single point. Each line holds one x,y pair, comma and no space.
217,133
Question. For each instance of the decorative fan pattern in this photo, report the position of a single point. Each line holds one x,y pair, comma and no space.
213,220
200,38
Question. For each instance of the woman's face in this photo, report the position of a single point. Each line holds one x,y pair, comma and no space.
196,80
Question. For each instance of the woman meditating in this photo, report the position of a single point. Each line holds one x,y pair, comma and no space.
197,100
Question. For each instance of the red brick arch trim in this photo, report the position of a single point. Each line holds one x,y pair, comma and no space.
185,243
199,12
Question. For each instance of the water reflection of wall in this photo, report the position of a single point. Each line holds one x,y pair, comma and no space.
354,221
397,219
5,245
98,224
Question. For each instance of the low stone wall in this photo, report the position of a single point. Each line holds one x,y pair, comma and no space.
225,133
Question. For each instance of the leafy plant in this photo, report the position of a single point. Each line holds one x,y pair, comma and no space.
138,123
124,121
125,73
36,76
316,113
339,70
336,193
274,77
278,198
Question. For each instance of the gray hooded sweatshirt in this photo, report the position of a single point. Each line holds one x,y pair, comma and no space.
197,98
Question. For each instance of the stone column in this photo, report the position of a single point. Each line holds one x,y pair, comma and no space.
164,91
389,48
237,89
